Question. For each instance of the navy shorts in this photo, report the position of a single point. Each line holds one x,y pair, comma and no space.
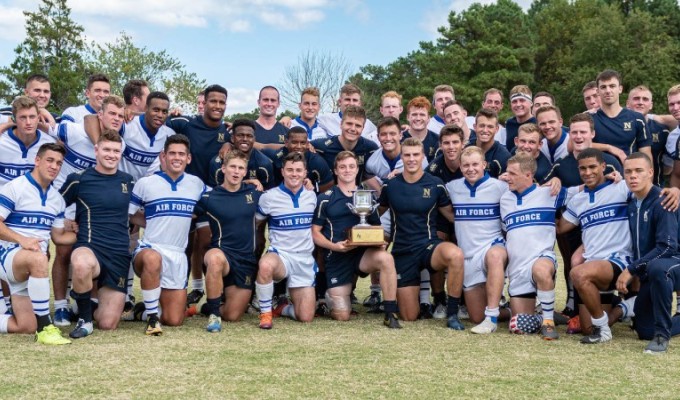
410,263
242,272
113,268
341,267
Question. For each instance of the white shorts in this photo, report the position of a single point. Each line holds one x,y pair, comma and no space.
175,267
301,268
620,259
521,279
475,267
7,272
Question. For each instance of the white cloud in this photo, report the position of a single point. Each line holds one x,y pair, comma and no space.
12,22
242,100
438,13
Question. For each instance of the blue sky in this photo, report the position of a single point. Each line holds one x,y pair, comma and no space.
244,45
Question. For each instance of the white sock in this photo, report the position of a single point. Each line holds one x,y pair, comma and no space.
60,304
151,298
39,292
145,314
492,314
197,284
602,322
289,311
547,300
4,321
424,286
264,296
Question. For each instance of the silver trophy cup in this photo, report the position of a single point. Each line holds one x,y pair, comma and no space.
363,205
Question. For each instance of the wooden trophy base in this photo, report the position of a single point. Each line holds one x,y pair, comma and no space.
371,236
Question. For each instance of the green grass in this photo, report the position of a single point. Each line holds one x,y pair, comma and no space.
359,359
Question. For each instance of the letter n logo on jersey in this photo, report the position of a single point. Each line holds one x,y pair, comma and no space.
249,198
220,137
627,126
123,187
282,139
121,282
426,193
248,280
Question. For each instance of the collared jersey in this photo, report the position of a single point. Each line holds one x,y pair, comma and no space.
313,132
559,150
627,131
529,222
102,203
79,150
141,147
430,144
290,218
205,142
380,165
329,149
77,114
168,207
512,129
439,169
29,210
276,135
335,217
16,158
436,124
477,213
414,208
602,214
232,226
317,170
260,167
331,124
566,169
496,159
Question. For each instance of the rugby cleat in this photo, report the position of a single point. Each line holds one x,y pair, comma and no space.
658,346
548,331
574,325
214,324
599,335
463,312
439,311
266,320
153,326
62,317
51,335
627,306
484,328
372,300
280,305
128,311
454,323
81,330
425,311
392,321
194,297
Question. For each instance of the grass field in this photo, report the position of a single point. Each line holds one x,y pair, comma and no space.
359,359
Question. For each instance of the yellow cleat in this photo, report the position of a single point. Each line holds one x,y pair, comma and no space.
51,335
153,327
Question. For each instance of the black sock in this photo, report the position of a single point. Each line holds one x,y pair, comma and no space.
452,307
280,288
321,285
43,321
439,298
84,305
214,306
390,306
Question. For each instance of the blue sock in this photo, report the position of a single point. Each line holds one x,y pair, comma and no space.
452,307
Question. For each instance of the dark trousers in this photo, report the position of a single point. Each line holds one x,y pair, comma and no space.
654,302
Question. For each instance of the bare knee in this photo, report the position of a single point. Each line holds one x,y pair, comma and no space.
107,323
172,319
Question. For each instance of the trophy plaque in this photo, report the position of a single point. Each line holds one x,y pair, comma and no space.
364,234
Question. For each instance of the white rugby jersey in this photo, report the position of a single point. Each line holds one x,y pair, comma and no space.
141,147
559,151
30,211
331,124
602,214
168,207
79,150
436,124
529,220
477,213
313,132
290,218
380,166
77,114
16,158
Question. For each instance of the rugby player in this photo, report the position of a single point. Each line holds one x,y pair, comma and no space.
495,154
98,88
309,111
549,121
418,116
350,95
269,133
440,96
520,104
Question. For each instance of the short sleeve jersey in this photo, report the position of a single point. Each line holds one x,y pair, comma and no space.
79,150
439,169
328,149
430,144
334,216
275,135
16,158
566,169
141,146
290,218
317,170
77,114
313,132
627,131
260,167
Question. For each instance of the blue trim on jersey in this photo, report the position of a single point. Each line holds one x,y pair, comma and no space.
473,188
89,108
295,197
591,192
65,117
139,157
7,203
136,200
439,119
149,134
477,211
30,220
524,193
603,215
340,114
553,149
541,216
61,133
10,171
173,184
77,160
392,164
43,194
22,146
291,222
308,128
561,198
169,206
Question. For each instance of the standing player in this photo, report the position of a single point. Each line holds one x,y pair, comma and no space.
350,95
549,121
542,99
269,133
528,213
442,94
476,205
528,141
591,97
135,93
102,197
289,209
342,261
600,210
98,88
415,199
38,88
231,261
520,104
495,154
418,116
446,166
390,104
163,204
31,212
455,114
493,100
309,110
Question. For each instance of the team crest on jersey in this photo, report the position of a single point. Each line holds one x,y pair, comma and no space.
123,188
627,126
121,282
426,193
328,142
360,160
248,280
249,198
655,137
433,167
644,216
252,174
282,139
220,137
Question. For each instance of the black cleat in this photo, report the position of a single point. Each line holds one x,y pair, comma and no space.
194,297
392,321
425,311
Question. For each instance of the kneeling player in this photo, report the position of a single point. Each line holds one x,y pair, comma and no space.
528,213
476,204
164,204
30,212
231,262
289,209
415,199
331,218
